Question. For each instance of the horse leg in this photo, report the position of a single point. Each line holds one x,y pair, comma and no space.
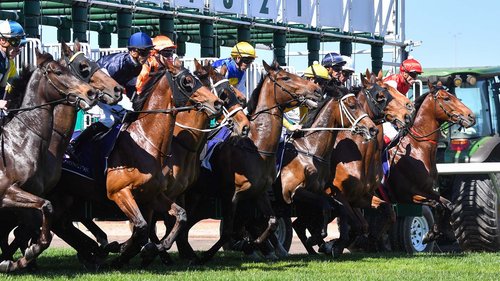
99,235
264,204
15,197
303,196
299,225
385,217
125,201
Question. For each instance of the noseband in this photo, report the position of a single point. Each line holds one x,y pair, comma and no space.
378,108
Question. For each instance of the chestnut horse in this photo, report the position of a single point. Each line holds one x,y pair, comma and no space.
413,160
109,91
25,143
190,133
356,165
306,160
244,168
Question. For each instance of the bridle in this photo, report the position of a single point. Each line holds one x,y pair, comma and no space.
295,98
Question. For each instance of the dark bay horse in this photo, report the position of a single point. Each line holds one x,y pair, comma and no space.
356,166
306,160
244,168
109,91
26,139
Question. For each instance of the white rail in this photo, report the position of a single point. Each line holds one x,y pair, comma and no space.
468,168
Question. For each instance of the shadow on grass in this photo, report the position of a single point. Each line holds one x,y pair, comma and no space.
64,264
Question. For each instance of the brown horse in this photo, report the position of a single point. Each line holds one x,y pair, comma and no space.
413,160
26,140
356,164
306,160
138,172
190,134
244,168
109,91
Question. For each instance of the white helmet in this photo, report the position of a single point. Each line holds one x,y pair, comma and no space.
349,66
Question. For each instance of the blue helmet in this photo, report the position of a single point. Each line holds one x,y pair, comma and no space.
11,29
332,59
140,40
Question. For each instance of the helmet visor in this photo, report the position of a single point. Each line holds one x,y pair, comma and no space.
14,41
247,60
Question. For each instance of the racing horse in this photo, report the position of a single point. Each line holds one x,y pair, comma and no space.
137,173
412,161
244,168
306,160
356,167
109,91
190,133
25,142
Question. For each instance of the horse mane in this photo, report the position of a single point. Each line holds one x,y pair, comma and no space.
254,97
140,100
18,87
419,101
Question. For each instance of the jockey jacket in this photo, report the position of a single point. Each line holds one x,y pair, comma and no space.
398,82
151,65
123,68
235,76
5,72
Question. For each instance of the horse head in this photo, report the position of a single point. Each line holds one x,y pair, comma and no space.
385,102
450,108
289,89
189,90
350,112
62,83
233,108
110,91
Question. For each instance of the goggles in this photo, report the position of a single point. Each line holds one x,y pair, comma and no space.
166,53
336,68
413,74
247,60
143,52
14,41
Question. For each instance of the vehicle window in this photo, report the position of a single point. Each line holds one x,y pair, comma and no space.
478,103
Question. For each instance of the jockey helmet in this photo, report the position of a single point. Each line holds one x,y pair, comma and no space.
348,64
332,59
411,65
163,42
243,49
140,40
317,70
11,29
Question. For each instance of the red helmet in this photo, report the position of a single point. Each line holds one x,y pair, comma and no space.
410,65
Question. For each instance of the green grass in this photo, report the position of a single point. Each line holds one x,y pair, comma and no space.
61,264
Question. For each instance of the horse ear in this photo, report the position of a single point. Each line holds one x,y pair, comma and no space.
380,75
66,50
266,66
368,74
276,64
41,59
77,47
430,85
365,81
197,65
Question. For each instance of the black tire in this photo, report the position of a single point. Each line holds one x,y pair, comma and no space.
408,232
475,218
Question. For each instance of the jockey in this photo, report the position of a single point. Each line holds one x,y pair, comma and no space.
408,72
12,38
347,71
124,68
292,118
334,62
234,68
164,49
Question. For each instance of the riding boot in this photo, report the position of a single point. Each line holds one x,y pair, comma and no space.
90,133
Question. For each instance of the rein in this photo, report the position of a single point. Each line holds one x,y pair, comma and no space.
344,111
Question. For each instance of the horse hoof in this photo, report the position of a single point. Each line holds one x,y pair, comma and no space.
166,259
326,247
6,266
337,251
113,247
148,254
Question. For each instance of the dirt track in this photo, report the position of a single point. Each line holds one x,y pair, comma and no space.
202,236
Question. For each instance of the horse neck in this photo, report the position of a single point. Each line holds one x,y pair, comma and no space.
153,131
64,125
364,104
321,143
425,121
39,120
265,128
193,119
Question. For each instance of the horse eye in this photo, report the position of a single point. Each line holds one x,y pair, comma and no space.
286,78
